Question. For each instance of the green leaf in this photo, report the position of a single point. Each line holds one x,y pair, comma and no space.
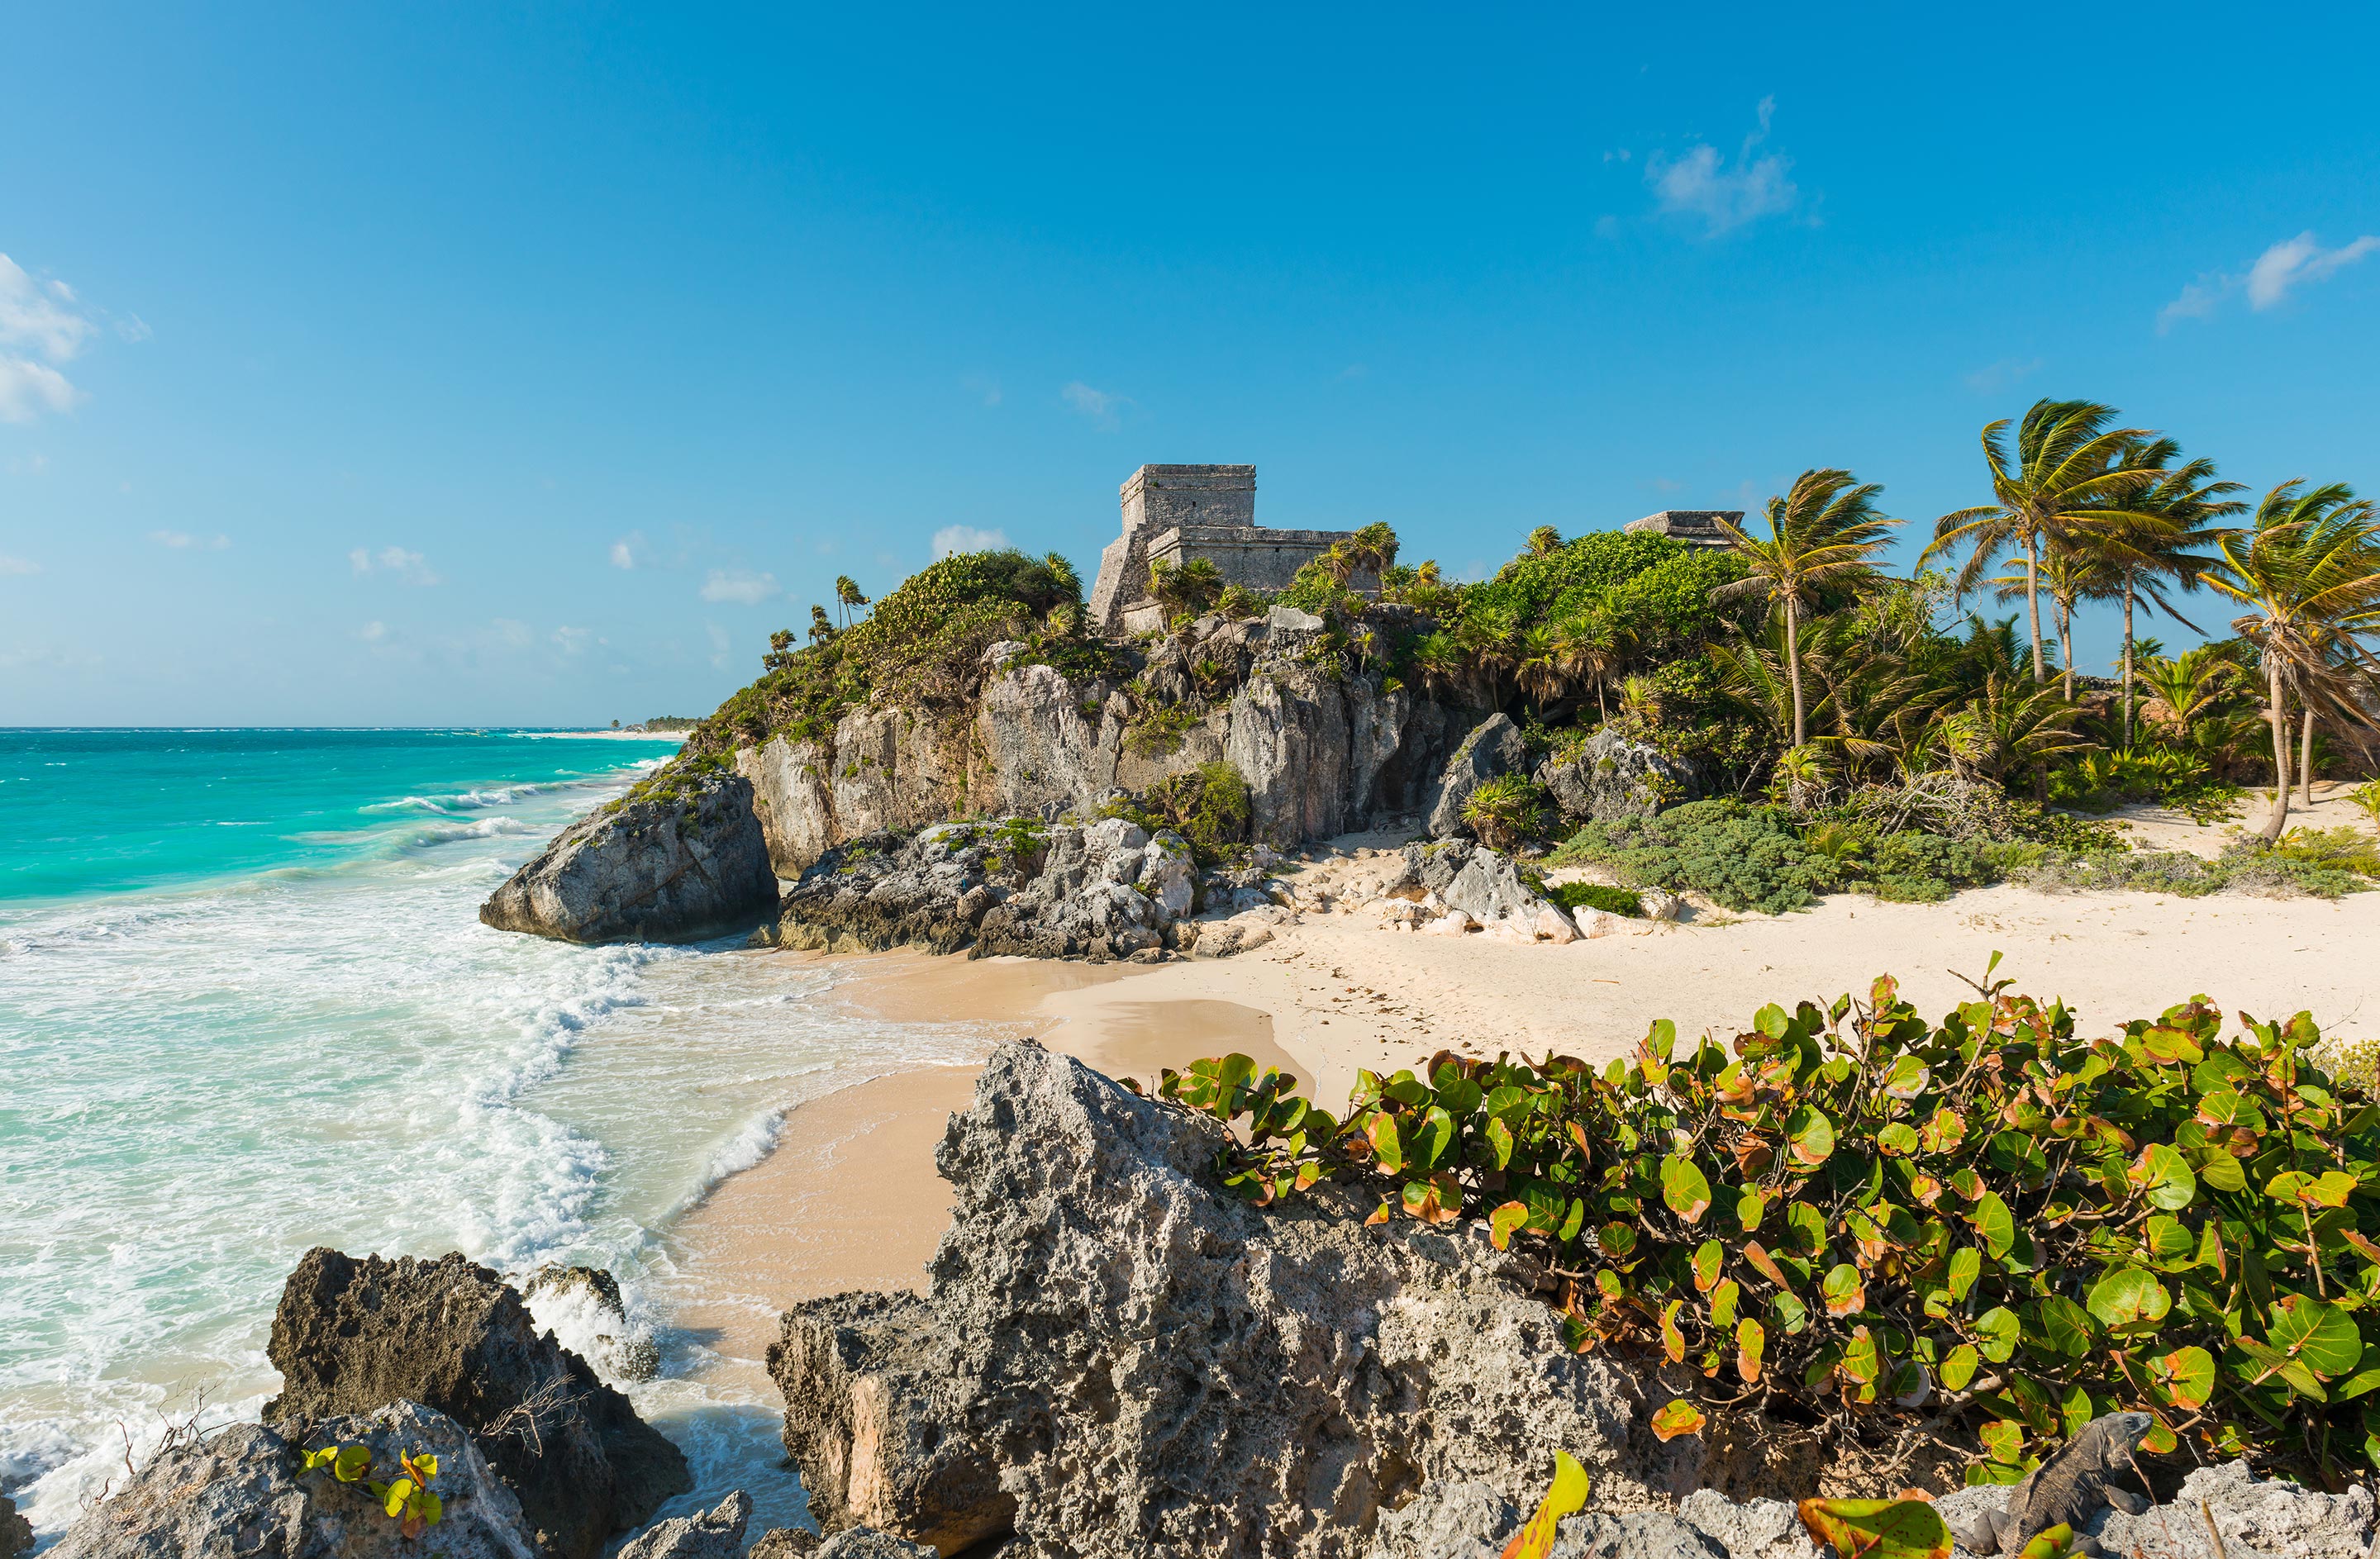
1435,1135
2127,1297
397,1494
2322,1337
1877,1528
1994,1223
1750,1340
1790,1312
1805,1226
1505,1221
1684,1188
2184,1377
1680,1417
1749,1209
1387,1148
1723,1301
1959,1366
2165,1174
1907,1079
1899,1140
1845,1293
1997,1331
1706,1259
1812,1134
1498,1138
2066,1327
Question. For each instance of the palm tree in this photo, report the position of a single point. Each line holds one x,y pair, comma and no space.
847,596
2188,685
2308,573
2008,727
1824,533
1185,591
2067,468
2071,574
1544,539
2186,504
1594,641
1538,660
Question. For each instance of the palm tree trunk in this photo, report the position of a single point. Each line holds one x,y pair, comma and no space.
2280,750
2305,758
1794,667
2128,659
2066,644
2033,606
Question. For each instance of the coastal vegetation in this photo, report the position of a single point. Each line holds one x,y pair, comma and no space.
1978,1234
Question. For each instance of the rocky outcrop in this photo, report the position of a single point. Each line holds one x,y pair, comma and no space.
1612,776
852,1543
2258,1518
716,1533
1492,749
685,861
1099,891
352,1336
584,1304
1322,752
243,1493
1116,1357
1472,880
15,1532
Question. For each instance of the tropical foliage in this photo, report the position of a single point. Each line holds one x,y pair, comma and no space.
1985,1231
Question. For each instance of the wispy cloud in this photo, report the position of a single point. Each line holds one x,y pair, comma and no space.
629,551
44,325
2269,279
183,541
1100,406
13,566
1995,377
967,538
372,632
1704,184
718,644
983,387
740,586
574,641
408,568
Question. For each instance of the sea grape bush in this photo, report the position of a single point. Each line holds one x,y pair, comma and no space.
1992,1228
407,1498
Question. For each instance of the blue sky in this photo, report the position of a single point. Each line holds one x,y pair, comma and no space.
472,363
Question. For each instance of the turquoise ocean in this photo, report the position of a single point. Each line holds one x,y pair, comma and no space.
246,1008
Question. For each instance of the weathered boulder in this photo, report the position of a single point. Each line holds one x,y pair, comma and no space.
352,1336
1472,1520
2258,1518
1485,885
716,1533
1612,776
685,861
15,1532
1117,1356
852,1542
242,1494
1099,891
1493,748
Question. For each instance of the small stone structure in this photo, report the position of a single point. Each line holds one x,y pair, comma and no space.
1174,513
1697,527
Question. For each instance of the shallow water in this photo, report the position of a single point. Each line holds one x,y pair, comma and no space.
246,1008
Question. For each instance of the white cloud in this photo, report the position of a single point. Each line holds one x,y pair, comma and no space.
1702,184
17,565
372,632
40,328
739,585
409,567
574,641
27,389
183,541
512,631
2270,278
1100,406
967,538
629,551
2300,260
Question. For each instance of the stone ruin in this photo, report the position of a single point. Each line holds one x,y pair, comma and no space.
1173,513
1697,527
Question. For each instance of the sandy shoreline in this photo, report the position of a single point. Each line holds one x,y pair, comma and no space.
850,1200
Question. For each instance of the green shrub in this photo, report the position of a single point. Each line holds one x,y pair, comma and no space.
1597,896
1745,858
2245,866
1209,806
1991,1225
1505,810
1924,868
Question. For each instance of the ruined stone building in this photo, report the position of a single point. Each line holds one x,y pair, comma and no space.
1174,513
1697,527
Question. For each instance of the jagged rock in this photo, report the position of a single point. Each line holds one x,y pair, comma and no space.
2259,1518
1636,1534
578,1300
1755,1529
1660,903
716,1533
1231,936
1612,776
1493,748
352,1336
1117,1356
15,1532
853,1542
1485,884
1101,890
1448,1521
784,1542
686,861
240,1493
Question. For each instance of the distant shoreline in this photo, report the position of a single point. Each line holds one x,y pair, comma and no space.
676,736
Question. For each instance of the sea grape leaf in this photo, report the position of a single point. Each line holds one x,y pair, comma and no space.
1994,1221
1505,1221
1673,1341
1723,1301
1812,1134
1877,1528
2066,1325
2165,1174
1959,1366
1845,1293
1684,1188
1387,1149
1680,1417
1566,1497
1706,1264
1750,1343
2127,1297
2323,1336
2185,1376
1997,1331
1966,1264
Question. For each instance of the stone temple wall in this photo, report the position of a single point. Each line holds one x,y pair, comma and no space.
1179,513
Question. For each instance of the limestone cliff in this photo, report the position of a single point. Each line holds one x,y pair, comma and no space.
1323,750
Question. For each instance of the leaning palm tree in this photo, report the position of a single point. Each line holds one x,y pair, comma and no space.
847,596
1823,534
2308,573
2066,469
2184,507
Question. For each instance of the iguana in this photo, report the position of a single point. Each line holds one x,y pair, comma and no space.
2077,1482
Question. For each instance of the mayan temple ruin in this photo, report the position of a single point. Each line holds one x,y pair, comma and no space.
1173,513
